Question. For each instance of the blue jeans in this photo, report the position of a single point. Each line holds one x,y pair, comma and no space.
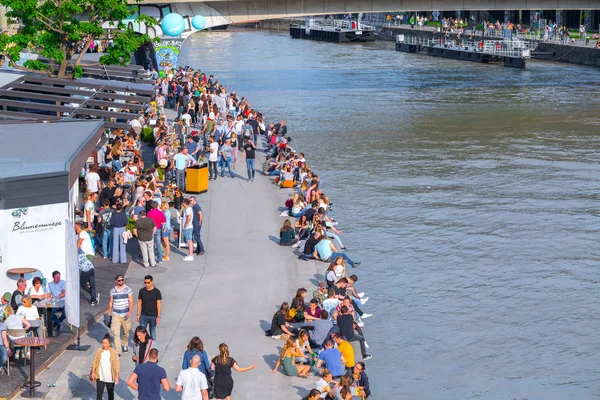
332,235
3,356
119,253
197,239
250,165
158,246
228,165
58,321
107,242
344,256
116,164
151,322
275,172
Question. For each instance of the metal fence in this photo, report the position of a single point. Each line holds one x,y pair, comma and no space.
338,23
502,48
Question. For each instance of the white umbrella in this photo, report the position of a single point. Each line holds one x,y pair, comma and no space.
135,124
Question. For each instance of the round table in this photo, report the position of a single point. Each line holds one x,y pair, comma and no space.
32,343
21,271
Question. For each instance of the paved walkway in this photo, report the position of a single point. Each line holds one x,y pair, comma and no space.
228,295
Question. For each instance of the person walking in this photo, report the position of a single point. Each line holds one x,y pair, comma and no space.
226,151
222,365
120,306
147,378
197,225
105,369
142,344
188,228
87,277
196,348
144,229
249,155
119,222
149,306
213,157
105,214
191,382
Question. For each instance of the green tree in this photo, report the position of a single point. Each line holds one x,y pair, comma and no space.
56,29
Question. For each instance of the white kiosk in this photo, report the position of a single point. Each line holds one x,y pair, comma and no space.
39,172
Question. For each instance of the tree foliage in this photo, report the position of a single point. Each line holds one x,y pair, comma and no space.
58,29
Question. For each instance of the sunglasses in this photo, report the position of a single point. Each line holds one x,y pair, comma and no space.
147,283
120,280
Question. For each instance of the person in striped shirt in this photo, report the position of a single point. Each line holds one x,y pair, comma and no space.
120,306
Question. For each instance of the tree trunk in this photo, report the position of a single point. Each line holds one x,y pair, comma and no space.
85,49
62,69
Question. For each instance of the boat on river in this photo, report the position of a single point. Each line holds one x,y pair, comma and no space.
333,30
511,52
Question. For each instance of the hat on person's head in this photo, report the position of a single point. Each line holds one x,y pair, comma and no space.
163,163
7,296
211,115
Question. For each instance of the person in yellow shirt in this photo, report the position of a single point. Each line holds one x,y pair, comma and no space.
346,349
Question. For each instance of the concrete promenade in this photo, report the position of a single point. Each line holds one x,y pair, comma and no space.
228,295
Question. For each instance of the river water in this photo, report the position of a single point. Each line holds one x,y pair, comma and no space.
470,194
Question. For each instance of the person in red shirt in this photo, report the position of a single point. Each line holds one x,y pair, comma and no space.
159,219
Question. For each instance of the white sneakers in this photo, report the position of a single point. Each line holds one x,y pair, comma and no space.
365,316
360,323
364,300
361,294
188,258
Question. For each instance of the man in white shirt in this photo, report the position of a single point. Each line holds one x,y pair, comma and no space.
92,179
186,118
84,242
192,383
212,158
188,228
89,210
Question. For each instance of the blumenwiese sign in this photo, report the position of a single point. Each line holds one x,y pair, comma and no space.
32,237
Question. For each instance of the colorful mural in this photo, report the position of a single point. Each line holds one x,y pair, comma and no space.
167,53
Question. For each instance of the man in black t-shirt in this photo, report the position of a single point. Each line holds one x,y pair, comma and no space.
310,213
108,193
249,155
149,306
311,242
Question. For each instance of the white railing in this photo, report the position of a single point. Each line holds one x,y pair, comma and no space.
338,23
501,48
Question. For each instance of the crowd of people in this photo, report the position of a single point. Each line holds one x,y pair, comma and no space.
318,330
199,378
123,199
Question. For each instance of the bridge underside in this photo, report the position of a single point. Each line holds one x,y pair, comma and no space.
226,12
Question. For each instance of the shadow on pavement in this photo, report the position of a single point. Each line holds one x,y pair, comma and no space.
274,239
264,325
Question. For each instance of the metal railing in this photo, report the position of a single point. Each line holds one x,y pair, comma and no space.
338,23
502,48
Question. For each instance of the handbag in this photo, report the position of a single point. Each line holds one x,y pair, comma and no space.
211,387
107,320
